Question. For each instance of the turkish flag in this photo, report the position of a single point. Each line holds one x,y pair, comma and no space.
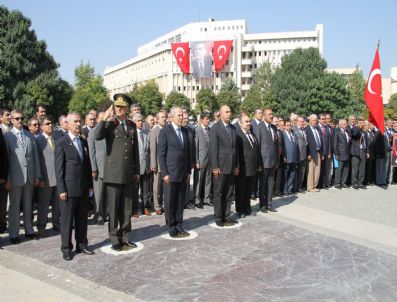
373,95
220,53
181,53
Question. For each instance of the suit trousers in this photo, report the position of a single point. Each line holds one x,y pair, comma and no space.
313,172
223,188
101,208
157,191
174,198
342,173
188,190
325,175
144,182
75,209
300,175
203,188
369,177
3,206
290,174
358,168
20,195
266,188
47,196
279,178
243,186
381,171
120,199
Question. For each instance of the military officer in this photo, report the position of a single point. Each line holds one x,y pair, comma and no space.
121,169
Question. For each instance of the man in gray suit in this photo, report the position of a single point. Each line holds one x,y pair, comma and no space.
97,153
24,175
47,188
299,131
144,164
162,117
202,140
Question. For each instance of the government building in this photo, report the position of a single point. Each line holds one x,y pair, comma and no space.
155,59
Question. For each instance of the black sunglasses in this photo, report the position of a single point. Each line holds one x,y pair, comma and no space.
18,118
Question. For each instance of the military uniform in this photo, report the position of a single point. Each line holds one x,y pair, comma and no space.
121,165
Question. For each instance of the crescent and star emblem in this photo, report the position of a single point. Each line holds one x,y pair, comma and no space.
183,53
371,77
219,50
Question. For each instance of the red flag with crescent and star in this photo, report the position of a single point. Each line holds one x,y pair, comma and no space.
181,53
373,95
220,53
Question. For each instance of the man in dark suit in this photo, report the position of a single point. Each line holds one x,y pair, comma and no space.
268,142
121,169
202,141
370,162
224,164
279,172
326,145
256,122
291,152
90,120
63,128
359,155
74,181
300,133
189,204
249,158
175,161
314,154
342,154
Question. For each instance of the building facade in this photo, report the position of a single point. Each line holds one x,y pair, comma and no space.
155,60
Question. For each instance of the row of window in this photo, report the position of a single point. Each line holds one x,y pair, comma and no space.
219,28
278,41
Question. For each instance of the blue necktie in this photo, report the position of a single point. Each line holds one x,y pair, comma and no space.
180,135
22,141
79,147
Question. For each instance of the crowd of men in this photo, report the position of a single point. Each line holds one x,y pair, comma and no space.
120,165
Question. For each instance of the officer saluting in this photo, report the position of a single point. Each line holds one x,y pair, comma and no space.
121,169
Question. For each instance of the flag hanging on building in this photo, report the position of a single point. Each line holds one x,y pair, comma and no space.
373,95
181,53
220,53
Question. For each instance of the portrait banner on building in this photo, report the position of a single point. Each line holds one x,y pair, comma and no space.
220,53
201,59
181,53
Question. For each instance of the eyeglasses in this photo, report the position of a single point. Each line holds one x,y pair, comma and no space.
18,118
35,125
48,123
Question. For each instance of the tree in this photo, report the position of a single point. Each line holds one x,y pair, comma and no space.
230,95
253,100
356,86
393,102
89,91
148,97
177,99
206,100
28,73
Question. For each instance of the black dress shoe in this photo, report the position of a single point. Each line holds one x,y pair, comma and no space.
31,236
248,213
199,206
67,256
190,207
219,224
3,229
84,251
130,244
173,234
55,229
271,210
211,204
15,240
263,209
183,233
363,187
117,247
232,221
241,215
345,186
356,187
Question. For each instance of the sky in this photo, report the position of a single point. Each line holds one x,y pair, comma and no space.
106,33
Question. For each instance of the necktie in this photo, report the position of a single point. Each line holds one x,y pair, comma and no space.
250,139
317,138
178,131
228,130
362,141
141,137
291,137
22,141
49,139
271,132
206,133
123,125
323,129
78,147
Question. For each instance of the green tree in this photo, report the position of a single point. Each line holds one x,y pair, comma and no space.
89,91
393,102
206,100
28,73
356,86
176,98
253,100
230,95
148,97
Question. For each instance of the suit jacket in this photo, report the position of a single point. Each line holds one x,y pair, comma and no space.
144,153
97,152
174,159
291,148
356,136
311,143
370,139
302,142
249,155
153,145
280,146
269,148
191,132
47,160
58,134
73,174
325,140
85,131
23,165
223,148
341,146
255,127
202,147
122,153
3,158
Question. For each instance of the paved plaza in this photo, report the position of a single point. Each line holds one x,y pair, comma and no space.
336,245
